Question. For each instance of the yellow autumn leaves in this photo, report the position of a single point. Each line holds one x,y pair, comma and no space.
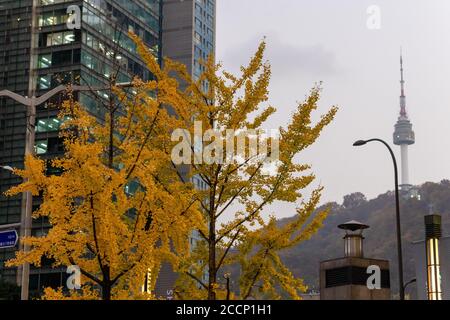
120,207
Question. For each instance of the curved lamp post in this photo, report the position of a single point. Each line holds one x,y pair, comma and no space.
27,202
409,283
360,143
7,168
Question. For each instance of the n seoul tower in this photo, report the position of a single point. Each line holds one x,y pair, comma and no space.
404,135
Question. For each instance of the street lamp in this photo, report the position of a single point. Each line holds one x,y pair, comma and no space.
7,168
409,283
360,143
27,202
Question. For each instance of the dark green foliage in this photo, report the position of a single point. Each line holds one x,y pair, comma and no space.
9,291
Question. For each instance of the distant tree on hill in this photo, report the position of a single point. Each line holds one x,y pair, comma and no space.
354,200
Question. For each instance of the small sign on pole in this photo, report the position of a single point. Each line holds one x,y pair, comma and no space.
8,239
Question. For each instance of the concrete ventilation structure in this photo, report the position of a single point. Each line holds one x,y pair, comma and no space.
346,278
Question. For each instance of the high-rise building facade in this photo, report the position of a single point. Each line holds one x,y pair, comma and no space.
40,50
189,32
15,55
188,37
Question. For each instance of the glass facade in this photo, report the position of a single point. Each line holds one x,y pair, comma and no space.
35,61
58,55
204,33
188,37
15,39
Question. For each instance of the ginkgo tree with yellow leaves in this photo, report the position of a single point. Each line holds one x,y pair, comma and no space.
243,189
118,208
117,234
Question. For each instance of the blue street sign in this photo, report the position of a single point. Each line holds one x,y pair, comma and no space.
8,239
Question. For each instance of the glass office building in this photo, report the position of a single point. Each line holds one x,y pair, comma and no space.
15,55
188,36
189,32
39,51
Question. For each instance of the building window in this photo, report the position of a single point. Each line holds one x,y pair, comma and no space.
197,52
48,81
62,57
48,125
198,23
41,147
49,2
44,82
60,38
50,145
53,18
197,38
44,61
54,39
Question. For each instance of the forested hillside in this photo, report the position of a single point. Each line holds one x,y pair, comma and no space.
380,241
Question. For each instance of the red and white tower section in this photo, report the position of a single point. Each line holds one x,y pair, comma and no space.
404,135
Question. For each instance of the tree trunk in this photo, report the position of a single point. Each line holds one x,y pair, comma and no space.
107,285
212,259
106,291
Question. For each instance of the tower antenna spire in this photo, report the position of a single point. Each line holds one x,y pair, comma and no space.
402,83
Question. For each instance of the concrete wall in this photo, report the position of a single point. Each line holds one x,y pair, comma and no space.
177,35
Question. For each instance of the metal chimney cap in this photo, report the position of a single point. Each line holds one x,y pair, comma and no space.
353,226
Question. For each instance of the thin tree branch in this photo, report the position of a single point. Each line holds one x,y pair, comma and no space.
94,231
255,278
197,279
239,191
85,273
219,265
143,145
251,215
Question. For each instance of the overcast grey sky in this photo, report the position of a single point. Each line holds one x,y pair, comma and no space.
328,40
